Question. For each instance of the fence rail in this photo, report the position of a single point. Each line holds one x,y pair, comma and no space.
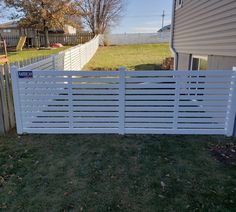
125,102
27,62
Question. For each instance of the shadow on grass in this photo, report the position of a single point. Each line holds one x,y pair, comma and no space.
148,67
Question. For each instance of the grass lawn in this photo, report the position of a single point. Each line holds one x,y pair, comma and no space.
114,173
133,57
31,53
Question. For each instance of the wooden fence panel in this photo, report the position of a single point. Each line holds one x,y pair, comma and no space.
7,114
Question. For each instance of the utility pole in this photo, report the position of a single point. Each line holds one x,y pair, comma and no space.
163,18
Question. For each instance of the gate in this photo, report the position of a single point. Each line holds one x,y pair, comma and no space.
125,102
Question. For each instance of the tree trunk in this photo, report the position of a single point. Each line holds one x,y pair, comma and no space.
46,38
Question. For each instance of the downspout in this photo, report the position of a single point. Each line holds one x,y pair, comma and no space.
172,37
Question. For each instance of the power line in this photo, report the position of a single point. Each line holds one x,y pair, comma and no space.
145,16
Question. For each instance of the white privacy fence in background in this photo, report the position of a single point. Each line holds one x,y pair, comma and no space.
74,58
125,102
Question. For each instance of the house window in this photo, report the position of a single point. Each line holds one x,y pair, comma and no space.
199,63
7,30
179,4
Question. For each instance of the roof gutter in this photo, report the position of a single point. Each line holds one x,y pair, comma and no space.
172,37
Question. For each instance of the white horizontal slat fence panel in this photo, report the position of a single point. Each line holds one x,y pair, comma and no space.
125,102
74,58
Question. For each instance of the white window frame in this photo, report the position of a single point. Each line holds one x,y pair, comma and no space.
179,4
199,62
7,30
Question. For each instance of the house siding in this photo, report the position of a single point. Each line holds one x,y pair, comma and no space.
221,62
206,27
183,61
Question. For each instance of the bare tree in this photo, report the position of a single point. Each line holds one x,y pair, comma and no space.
44,14
100,15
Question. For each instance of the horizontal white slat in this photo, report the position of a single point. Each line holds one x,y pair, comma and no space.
46,97
204,80
58,114
71,130
149,120
151,86
96,80
149,125
67,79
151,103
208,114
46,102
62,85
95,97
92,114
96,103
97,92
95,119
174,131
201,126
95,125
201,86
45,119
149,109
201,120
87,108
178,73
46,125
205,97
45,92
94,86
202,109
41,109
149,114
204,91
203,103
149,97
149,91
151,80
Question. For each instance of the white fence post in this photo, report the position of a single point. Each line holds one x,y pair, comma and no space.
122,76
16,98
231,114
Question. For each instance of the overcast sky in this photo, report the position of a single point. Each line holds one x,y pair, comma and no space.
144,16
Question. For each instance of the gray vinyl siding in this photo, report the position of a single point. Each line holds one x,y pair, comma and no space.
206,27
184,61
221,62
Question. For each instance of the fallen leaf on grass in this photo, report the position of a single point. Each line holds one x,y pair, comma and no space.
163,185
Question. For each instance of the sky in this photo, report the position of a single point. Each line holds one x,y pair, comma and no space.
141,16
144,16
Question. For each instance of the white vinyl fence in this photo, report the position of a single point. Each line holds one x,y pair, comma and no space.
125,102
74,58
137,38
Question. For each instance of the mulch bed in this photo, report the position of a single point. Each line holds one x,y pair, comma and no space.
225,153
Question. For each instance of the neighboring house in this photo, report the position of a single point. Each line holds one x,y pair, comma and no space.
12,30
204,34
166,28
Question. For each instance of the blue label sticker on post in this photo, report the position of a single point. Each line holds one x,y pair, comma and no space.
25,74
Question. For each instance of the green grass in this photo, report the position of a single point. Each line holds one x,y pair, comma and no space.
133,57
31,53
114,173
